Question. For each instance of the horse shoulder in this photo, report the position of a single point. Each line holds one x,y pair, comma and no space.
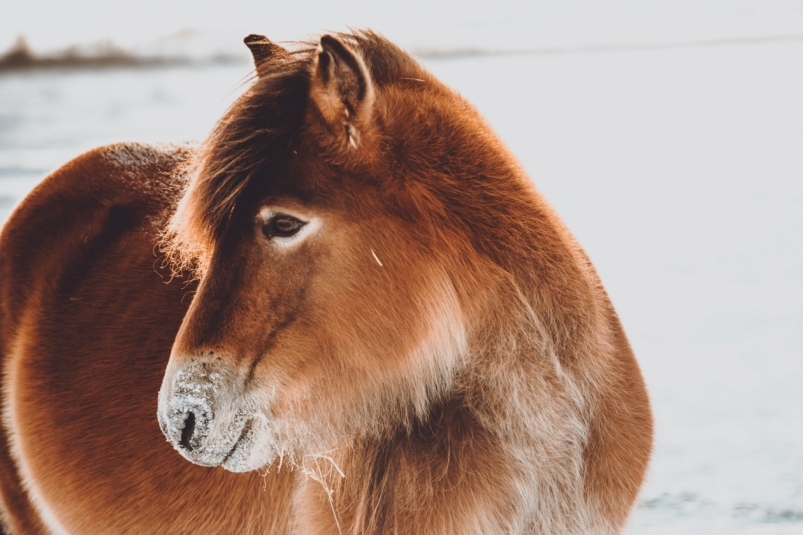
620,433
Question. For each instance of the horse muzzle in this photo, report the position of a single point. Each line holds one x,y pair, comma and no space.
199,415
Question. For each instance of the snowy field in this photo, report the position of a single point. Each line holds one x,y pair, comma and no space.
680,170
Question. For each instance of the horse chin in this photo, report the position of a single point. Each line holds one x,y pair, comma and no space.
268,441
254,449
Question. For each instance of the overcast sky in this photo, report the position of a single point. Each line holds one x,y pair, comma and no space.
52,24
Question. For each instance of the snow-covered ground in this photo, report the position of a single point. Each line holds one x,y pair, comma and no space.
680,169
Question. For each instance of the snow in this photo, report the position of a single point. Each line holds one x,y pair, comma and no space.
679,169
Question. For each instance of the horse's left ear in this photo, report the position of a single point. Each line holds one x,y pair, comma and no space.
342,92
263,50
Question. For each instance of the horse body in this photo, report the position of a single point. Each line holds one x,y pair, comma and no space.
87,326
390,330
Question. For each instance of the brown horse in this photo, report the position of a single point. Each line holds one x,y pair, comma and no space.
388,329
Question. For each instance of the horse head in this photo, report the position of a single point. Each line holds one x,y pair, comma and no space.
336,282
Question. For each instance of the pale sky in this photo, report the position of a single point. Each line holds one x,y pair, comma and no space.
502,24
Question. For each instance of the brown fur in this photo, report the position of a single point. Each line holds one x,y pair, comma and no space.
439,356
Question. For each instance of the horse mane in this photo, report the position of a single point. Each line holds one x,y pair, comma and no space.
257,133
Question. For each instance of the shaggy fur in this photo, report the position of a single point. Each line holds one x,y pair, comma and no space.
436,355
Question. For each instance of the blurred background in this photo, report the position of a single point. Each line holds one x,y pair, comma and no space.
668,135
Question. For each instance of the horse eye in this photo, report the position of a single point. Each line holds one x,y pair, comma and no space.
282,226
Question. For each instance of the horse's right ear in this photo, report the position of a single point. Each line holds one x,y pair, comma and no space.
262,49
342,92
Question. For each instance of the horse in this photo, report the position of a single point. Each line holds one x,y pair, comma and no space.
347,311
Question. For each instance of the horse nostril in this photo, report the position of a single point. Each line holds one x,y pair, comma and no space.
189,429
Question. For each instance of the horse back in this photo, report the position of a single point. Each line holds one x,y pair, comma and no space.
71,217
88,315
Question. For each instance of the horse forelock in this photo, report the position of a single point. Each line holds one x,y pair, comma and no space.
251,137
255,137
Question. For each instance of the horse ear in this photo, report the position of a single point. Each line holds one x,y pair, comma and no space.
262,49
342,91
